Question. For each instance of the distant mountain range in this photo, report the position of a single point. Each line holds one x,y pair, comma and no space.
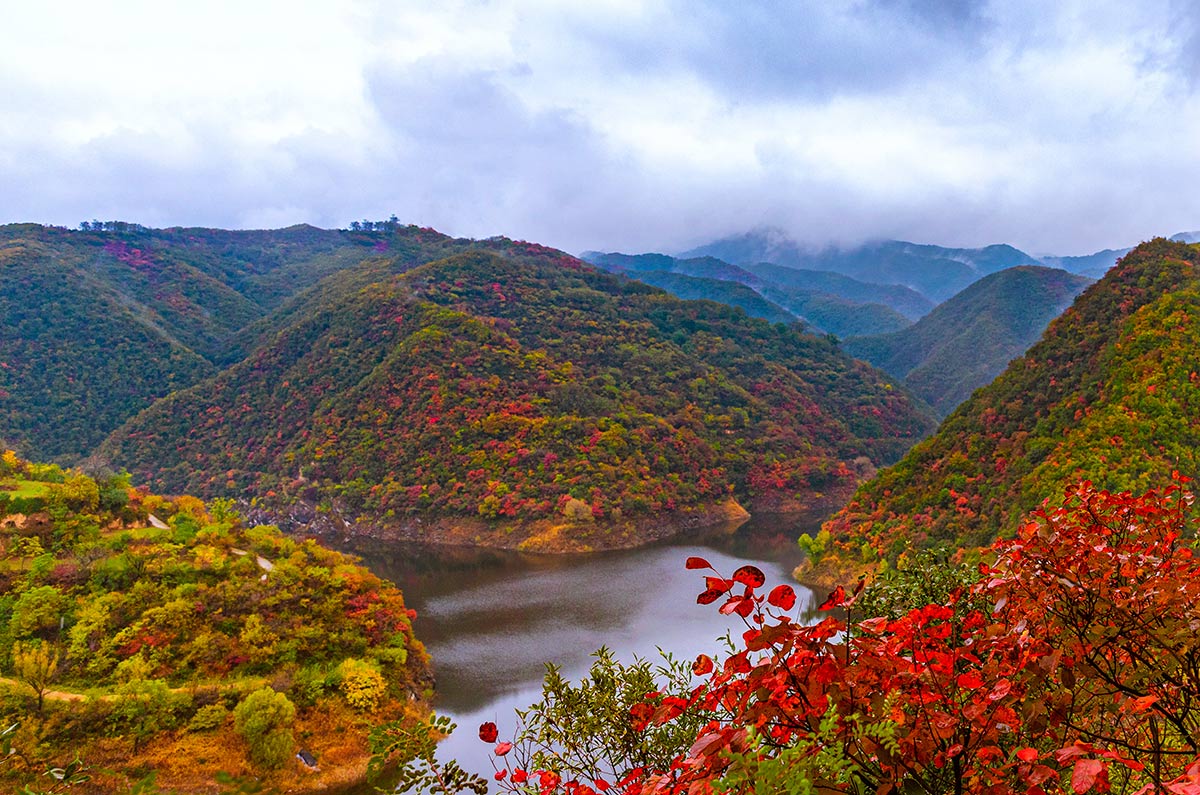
937,272
934,271
868,295
825,302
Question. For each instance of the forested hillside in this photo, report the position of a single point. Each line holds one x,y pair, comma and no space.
143,633
827,303
968,340
834,315
100,322
1110,394
695,288
904,300
515,384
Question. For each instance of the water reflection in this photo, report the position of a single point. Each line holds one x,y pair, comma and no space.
492,619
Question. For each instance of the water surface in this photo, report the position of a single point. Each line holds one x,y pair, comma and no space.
492,619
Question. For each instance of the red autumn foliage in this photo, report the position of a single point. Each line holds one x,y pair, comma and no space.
1070,666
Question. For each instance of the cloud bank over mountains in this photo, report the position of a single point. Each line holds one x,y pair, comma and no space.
613,125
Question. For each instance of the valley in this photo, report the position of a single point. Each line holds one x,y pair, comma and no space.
538,452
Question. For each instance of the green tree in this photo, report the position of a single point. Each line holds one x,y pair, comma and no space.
264,720
588,729
144,708
38,610
78,492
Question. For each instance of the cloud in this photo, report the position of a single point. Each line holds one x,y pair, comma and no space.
614,124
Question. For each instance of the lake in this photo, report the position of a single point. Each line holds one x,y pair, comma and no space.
492,619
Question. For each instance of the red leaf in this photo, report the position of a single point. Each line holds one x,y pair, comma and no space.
703,665
750,576
717,584
783,597
836,599
1027,754
1085,775
502,748
697,563
710,596
1002,689
1073,751
1141,704
738,604
488,732
971,681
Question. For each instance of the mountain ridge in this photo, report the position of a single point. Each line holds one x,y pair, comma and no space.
969,339
1108,394
510,360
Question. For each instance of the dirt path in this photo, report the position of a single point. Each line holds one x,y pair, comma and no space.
52,695
62,695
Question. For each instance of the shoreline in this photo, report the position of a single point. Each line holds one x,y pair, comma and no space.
543,536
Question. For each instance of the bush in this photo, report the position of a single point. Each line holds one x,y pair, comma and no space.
208,718
264,720
362,684
308,685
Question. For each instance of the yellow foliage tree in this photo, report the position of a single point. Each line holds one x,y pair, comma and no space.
35,663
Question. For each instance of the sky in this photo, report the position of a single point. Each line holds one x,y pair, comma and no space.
1062,127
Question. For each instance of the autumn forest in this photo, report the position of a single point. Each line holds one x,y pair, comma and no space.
1005,577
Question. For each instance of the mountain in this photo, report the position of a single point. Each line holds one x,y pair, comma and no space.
142,629
99,323
834,315
969,339
695,288
783,293
512,386
934,271
1093,265
1110,394
700,267
76,357
905,300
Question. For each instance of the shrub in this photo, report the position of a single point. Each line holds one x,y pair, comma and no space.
208,718
264,720
361,683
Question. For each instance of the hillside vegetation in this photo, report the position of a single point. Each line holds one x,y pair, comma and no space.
695,288
1110,394
835,315
138,633
514,384
968,340
904,300
101,322
827,303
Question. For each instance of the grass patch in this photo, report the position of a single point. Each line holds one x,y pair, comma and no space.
17,489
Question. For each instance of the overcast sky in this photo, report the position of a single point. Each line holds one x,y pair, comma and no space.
1058,127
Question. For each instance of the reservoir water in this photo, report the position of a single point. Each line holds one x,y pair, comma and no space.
492,619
